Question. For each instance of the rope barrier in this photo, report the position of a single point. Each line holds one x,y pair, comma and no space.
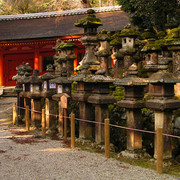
133,129
101,123
95,122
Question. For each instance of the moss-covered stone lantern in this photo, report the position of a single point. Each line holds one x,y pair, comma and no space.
100,97
151,50
104,51
117,57
63,85
48,90
172,42
92,85
90,24
133,102
162,103
67,57
35,95
128,49
26,85
57,64
20,100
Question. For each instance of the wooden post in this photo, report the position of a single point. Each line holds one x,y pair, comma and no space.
72,131
14,114
65,124
27,118
43,123
107,138
159,151
60,120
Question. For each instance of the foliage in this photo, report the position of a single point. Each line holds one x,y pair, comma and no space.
25,6
117,135
154,14
34,6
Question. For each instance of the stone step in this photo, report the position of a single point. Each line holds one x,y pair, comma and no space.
7,91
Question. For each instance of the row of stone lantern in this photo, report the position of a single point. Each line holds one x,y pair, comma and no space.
93,84
32,88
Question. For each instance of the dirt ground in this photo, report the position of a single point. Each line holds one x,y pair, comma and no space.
26,156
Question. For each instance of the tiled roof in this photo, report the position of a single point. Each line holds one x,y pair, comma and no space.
57,24
57,13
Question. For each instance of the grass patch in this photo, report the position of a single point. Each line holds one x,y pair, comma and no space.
173,169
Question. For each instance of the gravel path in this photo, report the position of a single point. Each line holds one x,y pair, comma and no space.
51,160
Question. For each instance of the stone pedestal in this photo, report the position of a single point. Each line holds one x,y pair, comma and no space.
133,102
101,113
50,108
163,103
36,116
85,112
134,138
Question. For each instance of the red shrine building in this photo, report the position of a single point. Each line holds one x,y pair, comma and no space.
31,37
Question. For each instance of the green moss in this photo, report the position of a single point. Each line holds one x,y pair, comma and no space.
90,11
118,93
102,32
151,47
67,45
161,34
128,32
116,39
173,35
90,19
147,35
116,42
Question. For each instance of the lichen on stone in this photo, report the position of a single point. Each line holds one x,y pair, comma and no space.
128,33
90,19
67,45
116,39
173,36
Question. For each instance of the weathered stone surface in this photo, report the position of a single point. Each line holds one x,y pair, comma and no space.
163,104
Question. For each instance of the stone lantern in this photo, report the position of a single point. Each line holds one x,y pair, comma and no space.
35,95
57,64
101,98
163,103
20,101
63,85
26,86
172,43
133,102
91,80
117,57
128,36
151,49
48,90
104,51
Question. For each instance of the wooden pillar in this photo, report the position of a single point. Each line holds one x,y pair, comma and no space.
36,58
1,69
